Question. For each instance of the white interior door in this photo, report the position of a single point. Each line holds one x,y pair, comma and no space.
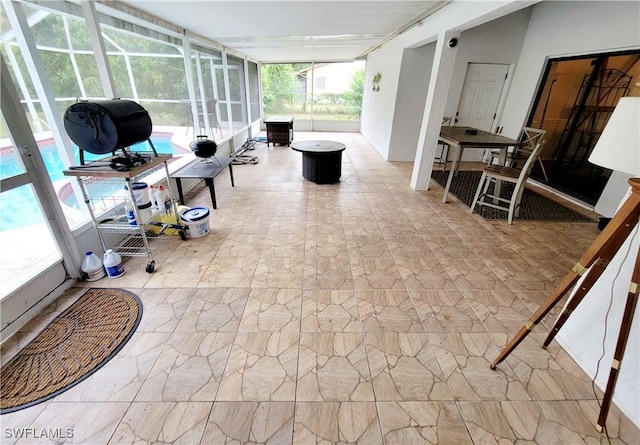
481,94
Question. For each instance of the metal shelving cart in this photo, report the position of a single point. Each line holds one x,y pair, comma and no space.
108,211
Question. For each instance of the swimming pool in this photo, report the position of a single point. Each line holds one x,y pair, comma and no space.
21,202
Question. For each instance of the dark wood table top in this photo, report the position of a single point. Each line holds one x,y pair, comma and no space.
318,146
470,137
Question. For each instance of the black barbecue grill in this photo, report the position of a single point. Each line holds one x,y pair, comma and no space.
109,126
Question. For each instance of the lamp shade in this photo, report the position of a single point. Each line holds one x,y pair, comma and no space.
619,145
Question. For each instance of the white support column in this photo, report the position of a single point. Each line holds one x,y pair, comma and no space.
203,98
72,57
247,95
243,91
41,82
13,62
99,51
214,81
21,135
441,73
132,80
186,49
313,82
227,92
260,90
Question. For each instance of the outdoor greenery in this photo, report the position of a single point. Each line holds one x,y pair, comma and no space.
151,71
354,97
281,94
279,88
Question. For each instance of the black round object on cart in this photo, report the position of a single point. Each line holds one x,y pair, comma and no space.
203,147
103,126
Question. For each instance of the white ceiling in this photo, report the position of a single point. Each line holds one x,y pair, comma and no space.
293,30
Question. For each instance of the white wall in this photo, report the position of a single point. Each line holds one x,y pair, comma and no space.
378,108
499,41
410,100
565,29
616,188
555,29
584,335
337,76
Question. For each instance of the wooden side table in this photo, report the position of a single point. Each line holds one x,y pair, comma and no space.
279,130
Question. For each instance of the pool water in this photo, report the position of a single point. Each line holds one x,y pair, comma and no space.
21,201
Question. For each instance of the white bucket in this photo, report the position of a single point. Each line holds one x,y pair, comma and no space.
140,193
144,212
197,221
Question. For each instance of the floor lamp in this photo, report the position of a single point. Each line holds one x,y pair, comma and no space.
617,149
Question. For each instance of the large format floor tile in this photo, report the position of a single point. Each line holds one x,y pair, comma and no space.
361,312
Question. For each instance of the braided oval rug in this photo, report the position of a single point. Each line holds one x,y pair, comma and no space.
77,343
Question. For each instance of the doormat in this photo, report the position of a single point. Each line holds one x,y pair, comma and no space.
77,343
533,206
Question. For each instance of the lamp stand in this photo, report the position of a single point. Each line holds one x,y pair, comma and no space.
592,264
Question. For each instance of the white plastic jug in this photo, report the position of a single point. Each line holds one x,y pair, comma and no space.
163,199
152,197
131,215
113,264
92,267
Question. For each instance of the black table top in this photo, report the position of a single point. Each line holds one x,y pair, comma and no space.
202,168
318,146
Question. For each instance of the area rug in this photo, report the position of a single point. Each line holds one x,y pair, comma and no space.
77,343
533,207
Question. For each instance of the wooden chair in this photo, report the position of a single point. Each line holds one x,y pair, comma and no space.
442,158
528,138
513,175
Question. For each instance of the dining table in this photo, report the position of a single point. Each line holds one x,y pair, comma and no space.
459,138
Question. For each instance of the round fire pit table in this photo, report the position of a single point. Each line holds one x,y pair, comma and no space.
321,160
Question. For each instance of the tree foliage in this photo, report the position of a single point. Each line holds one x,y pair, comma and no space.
354,96
281,94
279,86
